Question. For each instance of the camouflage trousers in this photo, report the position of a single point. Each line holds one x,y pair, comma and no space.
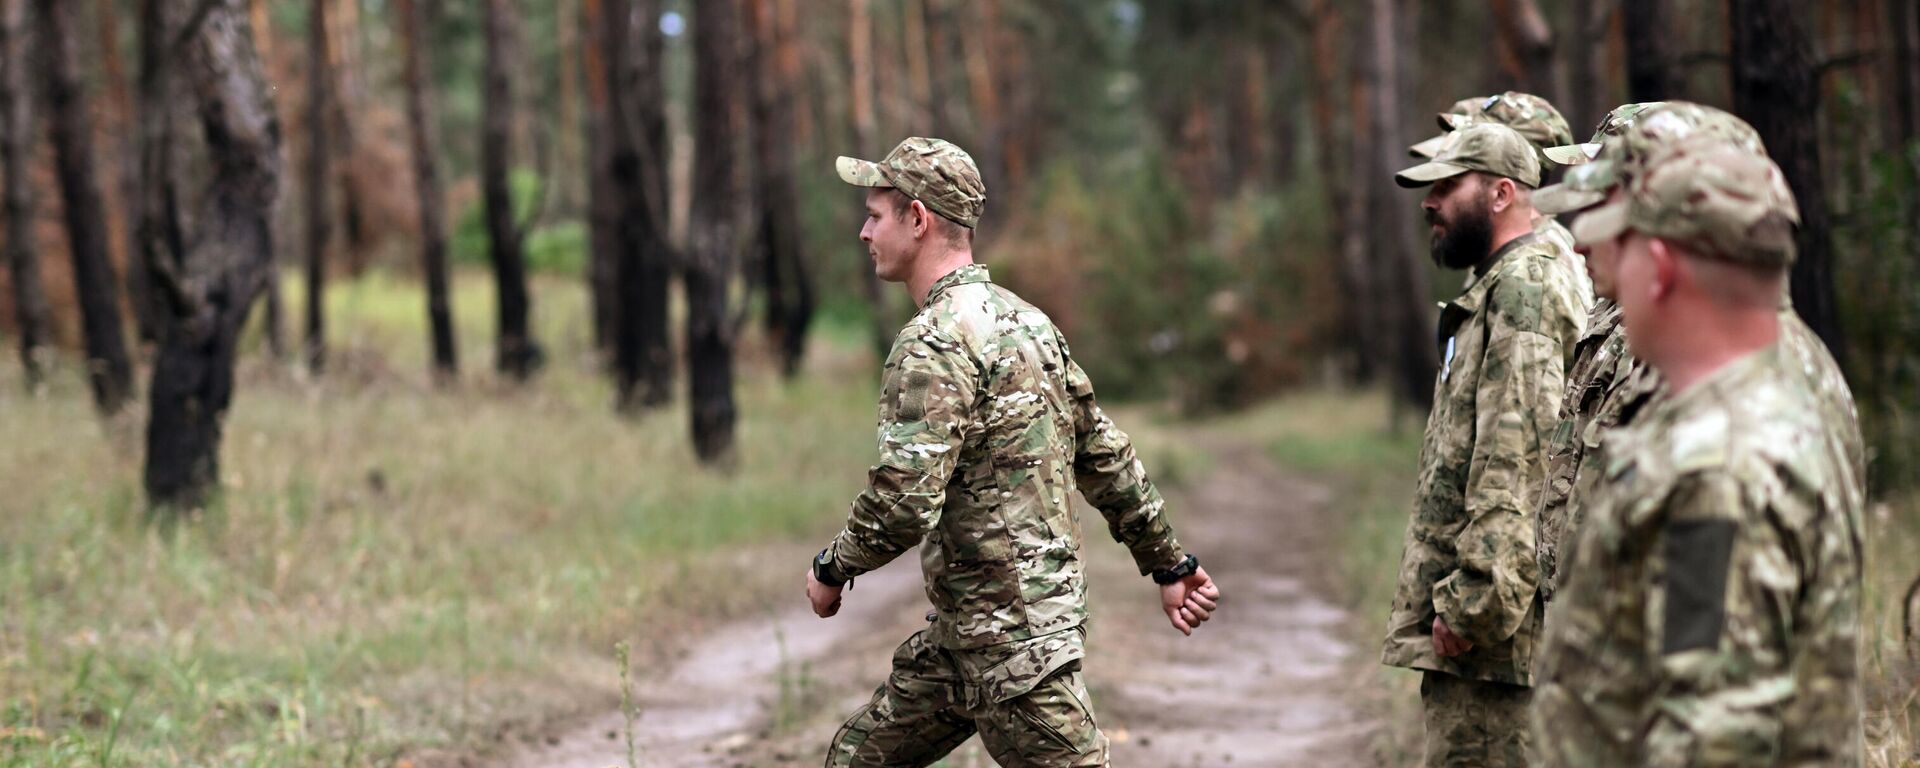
1475,723
927,708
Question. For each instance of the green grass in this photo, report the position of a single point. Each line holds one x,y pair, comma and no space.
392,567
1342,438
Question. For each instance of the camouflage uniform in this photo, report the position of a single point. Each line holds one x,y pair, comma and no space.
1542,126
1468,555
1607,386
987,426
1709,611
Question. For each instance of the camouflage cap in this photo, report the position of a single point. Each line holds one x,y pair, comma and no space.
1534,117
1720,197
940,175
1611,125
1642,131
1487,147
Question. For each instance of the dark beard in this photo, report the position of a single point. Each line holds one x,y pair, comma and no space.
1467,240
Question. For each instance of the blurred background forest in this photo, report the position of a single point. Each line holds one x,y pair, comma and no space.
397,234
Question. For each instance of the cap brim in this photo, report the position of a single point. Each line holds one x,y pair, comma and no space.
861,173
1427,149
1573,154
1427,173
1601,224
1450,121
1560,198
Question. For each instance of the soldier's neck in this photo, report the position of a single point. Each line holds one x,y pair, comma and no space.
1712,340
931,267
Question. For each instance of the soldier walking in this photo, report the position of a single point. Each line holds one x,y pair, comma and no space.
987,427
1464,612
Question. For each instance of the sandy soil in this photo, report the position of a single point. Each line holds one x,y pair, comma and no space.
1265,683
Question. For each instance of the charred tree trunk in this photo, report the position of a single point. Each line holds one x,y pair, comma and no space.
318,215
603,205
865,135
779,239
632,207
1651,75
127,159
716,53
519,356
1903,32
426,178
1776,87
1586,89
71,127
16,152
224,268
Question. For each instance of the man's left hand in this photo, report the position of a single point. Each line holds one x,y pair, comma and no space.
1446,644
1190,601
825,599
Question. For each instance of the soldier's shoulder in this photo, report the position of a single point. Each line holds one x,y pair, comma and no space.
1530,284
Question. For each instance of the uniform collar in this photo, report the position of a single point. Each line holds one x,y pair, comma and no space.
971,273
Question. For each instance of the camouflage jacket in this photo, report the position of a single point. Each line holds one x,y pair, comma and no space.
1605,388
1551,230
1468,554
1710,608
987,427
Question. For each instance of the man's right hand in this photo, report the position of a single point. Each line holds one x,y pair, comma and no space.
1190,601
825,599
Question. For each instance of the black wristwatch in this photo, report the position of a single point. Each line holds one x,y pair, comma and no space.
823,570
1178,572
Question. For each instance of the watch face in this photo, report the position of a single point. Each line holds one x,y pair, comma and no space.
823,558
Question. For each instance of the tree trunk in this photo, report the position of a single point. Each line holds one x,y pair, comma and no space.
318,215
1408,328
710,262
1586,87
1903,32
1330,149
426,177
161,228
1776,87
860,54
630,191
1526,46
518,355
223,270
127,157
71,127
603,207
1651,75
16,154
779,239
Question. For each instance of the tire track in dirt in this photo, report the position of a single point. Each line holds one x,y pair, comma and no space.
1265,683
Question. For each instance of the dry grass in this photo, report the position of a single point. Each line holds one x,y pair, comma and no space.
393,566
1342,437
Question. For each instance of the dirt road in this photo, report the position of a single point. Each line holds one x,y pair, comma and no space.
1263,684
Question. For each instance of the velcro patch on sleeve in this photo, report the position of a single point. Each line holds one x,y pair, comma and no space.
1698,554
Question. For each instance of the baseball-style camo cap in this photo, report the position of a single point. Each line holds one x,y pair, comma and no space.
1729,201
1635,138
940,175
1611,125
1487,147
1534,117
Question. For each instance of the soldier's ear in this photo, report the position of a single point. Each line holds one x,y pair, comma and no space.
1666,267
922,219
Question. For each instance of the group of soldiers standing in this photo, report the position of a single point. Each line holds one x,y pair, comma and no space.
1636,539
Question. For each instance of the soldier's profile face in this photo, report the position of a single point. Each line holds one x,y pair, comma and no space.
1603,260
888,235
1460,221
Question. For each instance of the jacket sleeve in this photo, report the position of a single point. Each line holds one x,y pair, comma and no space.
926,409
1751,623
1114,482
1490,593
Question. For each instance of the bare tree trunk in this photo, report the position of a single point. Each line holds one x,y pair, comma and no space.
630,205
161,228
1586,88
16,153
274,319
1323,59
1408,329
1651,75
127,161
788,285
1903,32
1526,46
224,269
716,54
603,206
860,52
318,215
69,122
426,177
1776,87
518,355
